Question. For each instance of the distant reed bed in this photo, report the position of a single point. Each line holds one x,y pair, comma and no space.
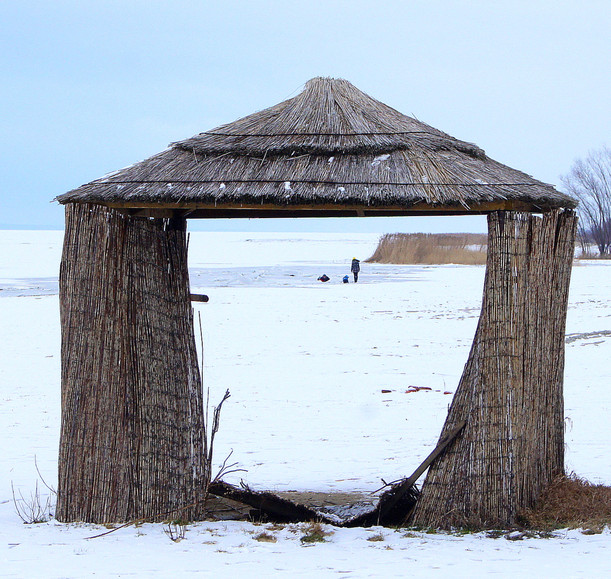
431,248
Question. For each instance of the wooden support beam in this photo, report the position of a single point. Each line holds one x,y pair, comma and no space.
210,210
199,298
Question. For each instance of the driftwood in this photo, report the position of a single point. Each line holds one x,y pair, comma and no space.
511,387
275,508
393,507
131,443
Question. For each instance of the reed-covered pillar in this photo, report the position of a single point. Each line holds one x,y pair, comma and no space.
510,392
131,431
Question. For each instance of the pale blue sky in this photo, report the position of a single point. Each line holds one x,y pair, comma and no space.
88,87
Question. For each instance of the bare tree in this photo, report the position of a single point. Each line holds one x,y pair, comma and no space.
589,180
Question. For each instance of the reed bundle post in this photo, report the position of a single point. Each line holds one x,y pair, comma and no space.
510,393
132,406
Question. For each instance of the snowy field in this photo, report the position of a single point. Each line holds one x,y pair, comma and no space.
306,364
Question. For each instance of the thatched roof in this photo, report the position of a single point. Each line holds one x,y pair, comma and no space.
332,149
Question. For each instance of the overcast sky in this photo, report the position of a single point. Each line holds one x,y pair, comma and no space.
90,86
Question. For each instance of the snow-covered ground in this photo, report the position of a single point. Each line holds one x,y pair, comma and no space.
306,364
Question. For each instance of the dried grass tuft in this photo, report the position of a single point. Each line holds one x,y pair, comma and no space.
571,502
431,248
315,533
265,537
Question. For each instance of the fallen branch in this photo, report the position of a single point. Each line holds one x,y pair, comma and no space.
396,503
274,507
147,519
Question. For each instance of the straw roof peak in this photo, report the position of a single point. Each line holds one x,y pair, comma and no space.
330,116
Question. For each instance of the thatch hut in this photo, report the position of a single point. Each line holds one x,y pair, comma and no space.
131,422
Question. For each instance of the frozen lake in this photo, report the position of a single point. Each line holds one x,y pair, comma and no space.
306,364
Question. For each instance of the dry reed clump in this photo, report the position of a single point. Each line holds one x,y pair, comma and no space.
431,248
571,502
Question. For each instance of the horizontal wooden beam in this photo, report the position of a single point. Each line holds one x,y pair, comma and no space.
193,210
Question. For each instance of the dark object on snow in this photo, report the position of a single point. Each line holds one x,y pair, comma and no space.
355,268
345,279
324,277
